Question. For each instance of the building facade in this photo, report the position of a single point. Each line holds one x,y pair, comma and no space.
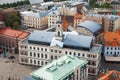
53,17
41,50
9,39
116,5
58,69
112,46
77,20
37,20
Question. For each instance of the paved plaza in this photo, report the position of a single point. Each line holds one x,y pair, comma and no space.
11,68
8,68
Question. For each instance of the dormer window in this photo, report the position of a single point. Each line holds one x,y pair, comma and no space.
110,42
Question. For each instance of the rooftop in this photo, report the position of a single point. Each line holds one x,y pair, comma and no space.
70,39
90,25
37,14
13,33
78,16
58,69
112,38
110,75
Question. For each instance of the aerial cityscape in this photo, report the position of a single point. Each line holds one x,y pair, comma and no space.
59,39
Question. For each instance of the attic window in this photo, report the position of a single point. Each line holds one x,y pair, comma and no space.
110,42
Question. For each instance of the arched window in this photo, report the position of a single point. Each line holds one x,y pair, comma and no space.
58,33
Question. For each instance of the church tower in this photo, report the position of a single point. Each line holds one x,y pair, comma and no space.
59,30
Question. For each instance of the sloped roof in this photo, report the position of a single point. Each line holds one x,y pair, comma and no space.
70,39
35,14
90,25
58,69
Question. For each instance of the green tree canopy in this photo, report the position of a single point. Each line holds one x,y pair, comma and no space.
106,5
13,19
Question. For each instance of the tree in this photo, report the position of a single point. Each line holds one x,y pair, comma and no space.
16,25
96,5
13,20
106,5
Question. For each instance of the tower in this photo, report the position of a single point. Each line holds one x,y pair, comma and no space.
59,30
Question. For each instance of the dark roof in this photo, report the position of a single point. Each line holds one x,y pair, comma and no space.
115,2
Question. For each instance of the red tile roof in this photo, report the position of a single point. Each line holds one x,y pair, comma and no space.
111,75
112,38
78,16
14,33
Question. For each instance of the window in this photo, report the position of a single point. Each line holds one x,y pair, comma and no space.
38,62
41,55
51,50
34,48
65,52
70,53
45,49
38,55
55,51
41,49
83,55
107,48
58,33
111,48
59,51
42,63
107,52
45,63
30,53
45,55
37,48
74,54
51,57
34,54
78,54
30,47
110,52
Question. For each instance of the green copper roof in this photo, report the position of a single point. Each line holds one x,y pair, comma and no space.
59,69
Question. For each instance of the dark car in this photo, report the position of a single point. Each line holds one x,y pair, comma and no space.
11,57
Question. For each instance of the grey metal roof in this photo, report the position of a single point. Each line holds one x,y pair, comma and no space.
41,36
78,40
90,25
35,1
73,40
37,14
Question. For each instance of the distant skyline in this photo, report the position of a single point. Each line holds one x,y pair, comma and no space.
8,1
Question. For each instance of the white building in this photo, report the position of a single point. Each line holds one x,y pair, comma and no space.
58,70
112,46
42,47
55,15
36,19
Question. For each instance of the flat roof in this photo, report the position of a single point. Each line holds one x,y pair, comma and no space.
13,33
58,69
